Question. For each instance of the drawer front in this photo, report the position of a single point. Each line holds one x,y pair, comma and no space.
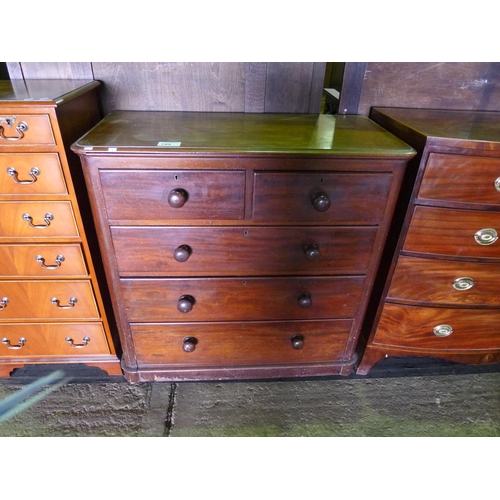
49,339
446,282
469,179
31,300
31,174
25,129
336,198
223,344
42,260
151,251
42,219
165,195
413,327
241,299
452,232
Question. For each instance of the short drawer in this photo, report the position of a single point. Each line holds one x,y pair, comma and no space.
42,260
455,233
42,219
25,129
438,328
31,174
233,299
469,179
446,282
162,195
198,251
336,198
52,339
224,344
54,299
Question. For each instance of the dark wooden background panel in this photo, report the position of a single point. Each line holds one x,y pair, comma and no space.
51,70
444,85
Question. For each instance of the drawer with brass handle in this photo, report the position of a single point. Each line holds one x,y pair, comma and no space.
25,130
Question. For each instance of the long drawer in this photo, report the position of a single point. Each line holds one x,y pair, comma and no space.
324,197
152,251
47,299
438,328
31,174
442,231
446,282
234,299
51,339
226,344
42,260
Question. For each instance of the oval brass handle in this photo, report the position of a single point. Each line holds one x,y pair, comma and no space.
312,253
7,343
497,184
304,300
48,218
442,330
297,342
486,236
72,301
185,303
463,283
85,341
34,172
182,253
321,202
3,303
58,261
20,129
177,198
189,344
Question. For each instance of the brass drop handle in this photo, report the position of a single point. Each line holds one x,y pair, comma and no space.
312,253
7,343
177,198
297,342
72,302
58,261
3,303
304,300
9,121
182,253
185,303
48,218
442,330
70,341
34,173
321,202
189,344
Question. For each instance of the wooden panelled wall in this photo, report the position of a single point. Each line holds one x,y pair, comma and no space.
188,86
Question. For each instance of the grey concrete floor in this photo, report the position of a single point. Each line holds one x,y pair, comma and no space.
424,405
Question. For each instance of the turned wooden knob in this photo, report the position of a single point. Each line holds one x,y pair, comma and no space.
321,202
182,253
297,342
185,303
189,344
177,198
312,253
304,300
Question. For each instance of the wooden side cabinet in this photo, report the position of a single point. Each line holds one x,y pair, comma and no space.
52,302
240,245
441,298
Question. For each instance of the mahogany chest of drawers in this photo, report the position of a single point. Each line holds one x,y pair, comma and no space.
240,245
442,297
51,302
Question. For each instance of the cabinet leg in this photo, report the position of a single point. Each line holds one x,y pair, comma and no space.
370,357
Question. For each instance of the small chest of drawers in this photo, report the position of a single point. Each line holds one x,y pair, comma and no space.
52,303
240,246
442,297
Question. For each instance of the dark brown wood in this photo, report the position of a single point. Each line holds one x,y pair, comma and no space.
441,274
352,84
246,281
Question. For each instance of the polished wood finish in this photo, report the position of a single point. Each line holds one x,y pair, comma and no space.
443,275
49,260
269,272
